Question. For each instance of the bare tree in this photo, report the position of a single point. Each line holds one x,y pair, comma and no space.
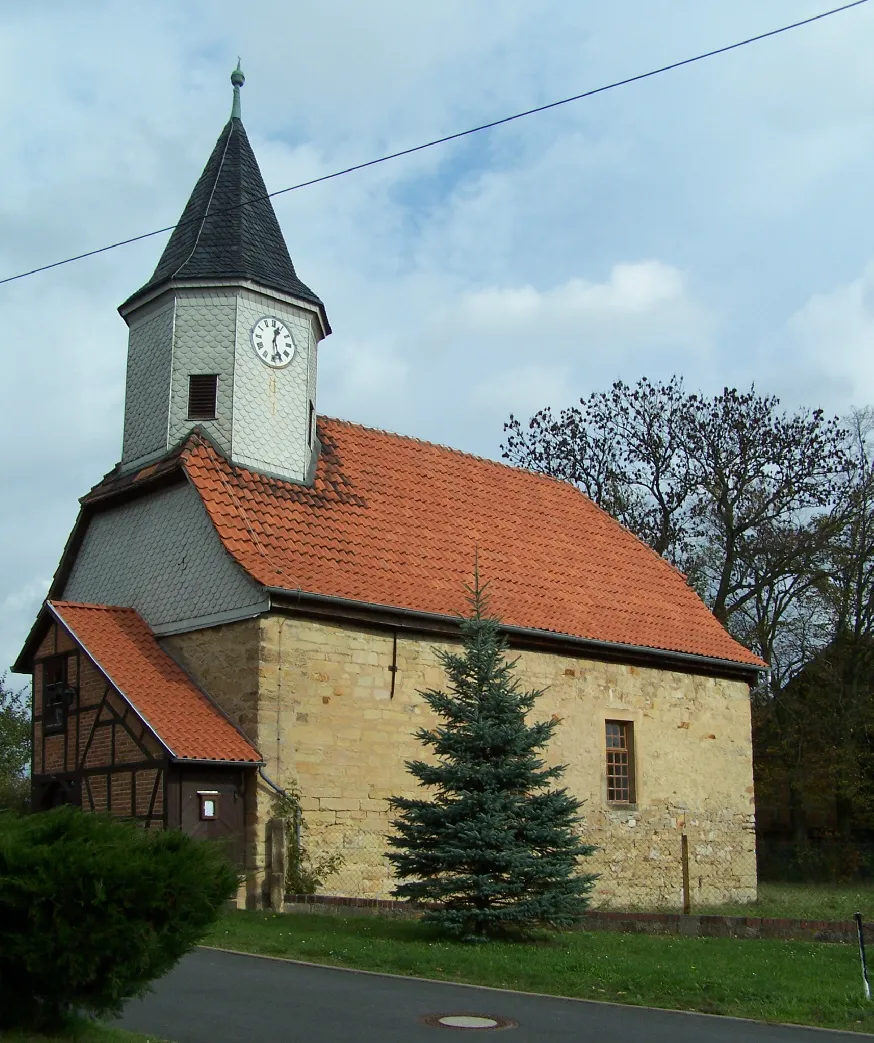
849,590
771,515
729,489
760,477
626,449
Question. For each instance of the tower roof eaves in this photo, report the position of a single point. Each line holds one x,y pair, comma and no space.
150,294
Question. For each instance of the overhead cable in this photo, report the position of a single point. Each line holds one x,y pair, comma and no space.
450,137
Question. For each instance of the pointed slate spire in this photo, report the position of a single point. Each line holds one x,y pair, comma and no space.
217,238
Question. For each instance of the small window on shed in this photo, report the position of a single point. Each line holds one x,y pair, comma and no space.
620,762
202,390
208,804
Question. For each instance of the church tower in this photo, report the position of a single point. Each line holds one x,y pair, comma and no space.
224,336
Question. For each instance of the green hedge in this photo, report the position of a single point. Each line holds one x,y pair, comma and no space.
93,908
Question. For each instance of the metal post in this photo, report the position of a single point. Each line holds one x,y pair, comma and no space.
684,854
858,918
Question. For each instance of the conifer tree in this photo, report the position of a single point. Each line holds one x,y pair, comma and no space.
495,848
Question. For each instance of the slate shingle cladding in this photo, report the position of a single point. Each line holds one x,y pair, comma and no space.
218,238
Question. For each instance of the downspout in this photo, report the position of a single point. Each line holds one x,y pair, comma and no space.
284,793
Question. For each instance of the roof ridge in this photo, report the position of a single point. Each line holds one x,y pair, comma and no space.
230,129
454,450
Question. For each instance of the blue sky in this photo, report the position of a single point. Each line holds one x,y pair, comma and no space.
716,222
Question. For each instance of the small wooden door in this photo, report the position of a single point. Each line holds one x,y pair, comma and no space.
212,806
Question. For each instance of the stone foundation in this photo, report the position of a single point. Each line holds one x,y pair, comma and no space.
750,927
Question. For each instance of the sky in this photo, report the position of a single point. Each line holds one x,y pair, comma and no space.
716,222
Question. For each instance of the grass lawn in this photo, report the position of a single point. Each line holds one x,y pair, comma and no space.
801,983
83,1032
805,902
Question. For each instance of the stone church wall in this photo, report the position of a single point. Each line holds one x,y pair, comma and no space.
317,701
329,722
225,661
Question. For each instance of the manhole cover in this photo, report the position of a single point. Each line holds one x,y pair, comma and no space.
469,1021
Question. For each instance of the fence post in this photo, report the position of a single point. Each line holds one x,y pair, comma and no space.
859,930
684,854
277,854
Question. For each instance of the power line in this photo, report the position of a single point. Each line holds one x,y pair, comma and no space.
450,137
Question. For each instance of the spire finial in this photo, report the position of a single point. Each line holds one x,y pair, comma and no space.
237,79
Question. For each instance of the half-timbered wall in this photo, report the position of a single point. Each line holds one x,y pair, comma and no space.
105,759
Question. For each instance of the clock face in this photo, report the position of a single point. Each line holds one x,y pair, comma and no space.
273,342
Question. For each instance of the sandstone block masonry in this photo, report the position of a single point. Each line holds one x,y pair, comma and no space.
343,732
330,716
225,662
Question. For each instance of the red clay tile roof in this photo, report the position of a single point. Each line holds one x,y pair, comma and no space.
397,522
121,644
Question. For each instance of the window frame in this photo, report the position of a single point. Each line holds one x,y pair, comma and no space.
614,779
58,699
205,797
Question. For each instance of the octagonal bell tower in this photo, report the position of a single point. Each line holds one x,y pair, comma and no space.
224,335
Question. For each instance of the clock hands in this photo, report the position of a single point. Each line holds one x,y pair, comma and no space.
277,350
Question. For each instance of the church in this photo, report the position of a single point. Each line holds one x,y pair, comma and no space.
253,597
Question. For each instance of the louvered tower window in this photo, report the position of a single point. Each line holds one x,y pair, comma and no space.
202,390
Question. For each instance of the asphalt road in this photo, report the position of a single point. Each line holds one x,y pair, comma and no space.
219,997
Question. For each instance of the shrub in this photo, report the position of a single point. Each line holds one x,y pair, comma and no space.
305,873
93,908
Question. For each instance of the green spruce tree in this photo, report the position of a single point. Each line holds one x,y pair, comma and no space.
495,848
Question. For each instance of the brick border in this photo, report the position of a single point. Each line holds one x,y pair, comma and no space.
691,926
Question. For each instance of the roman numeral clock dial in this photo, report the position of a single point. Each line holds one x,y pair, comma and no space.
273,342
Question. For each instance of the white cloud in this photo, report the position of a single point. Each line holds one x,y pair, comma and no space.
832,345
27,597
668,226
473,357
645,294
522,390
362,372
